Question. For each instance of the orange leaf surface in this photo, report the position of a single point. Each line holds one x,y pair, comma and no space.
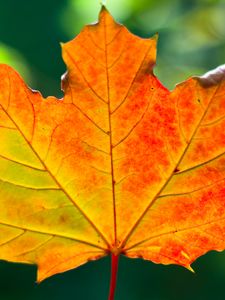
119,165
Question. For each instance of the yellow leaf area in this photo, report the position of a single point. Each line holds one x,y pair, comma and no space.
119,165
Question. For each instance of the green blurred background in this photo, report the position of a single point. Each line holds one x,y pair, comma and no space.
191,42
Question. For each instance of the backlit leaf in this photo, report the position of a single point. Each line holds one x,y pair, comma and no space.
119,165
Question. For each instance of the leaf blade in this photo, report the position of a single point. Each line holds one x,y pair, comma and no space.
119,165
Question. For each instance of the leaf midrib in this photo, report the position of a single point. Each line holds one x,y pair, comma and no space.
110,138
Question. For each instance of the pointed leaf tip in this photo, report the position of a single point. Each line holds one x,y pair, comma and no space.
189,268
156,37
103,13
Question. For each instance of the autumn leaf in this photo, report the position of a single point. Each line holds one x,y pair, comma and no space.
120,165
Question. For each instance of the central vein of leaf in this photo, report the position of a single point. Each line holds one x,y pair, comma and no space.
110,136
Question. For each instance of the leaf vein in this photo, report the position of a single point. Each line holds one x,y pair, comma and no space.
52,234
134,126
132,82
22,164
85,80
174,232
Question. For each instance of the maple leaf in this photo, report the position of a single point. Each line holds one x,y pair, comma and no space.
120,165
